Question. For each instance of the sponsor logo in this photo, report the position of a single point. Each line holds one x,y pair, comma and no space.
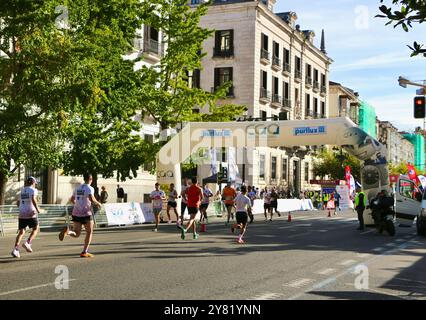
263,130
308,131
216,133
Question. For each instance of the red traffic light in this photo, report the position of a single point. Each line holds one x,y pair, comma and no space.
419,107
419,101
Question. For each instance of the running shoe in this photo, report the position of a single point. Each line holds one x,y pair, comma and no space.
15,253
279,214
270,220
195,236
155,230
240,241
86,255
63,233
169,222
27,247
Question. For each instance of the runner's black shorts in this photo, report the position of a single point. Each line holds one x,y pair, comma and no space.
204,206
192,210
266,205
242,217
172,204
183,206
30,223
82,220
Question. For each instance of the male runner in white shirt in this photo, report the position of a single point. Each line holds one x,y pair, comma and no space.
242,204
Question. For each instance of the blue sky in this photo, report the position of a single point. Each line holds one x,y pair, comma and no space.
368,56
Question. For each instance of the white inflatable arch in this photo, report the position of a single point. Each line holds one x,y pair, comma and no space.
336,131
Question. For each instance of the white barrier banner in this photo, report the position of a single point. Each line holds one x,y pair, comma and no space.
345,201
285,205
123,213
147,214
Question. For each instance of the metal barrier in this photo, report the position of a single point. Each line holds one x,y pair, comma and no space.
52,217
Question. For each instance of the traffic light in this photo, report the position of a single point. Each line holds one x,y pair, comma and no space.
419,107
222,175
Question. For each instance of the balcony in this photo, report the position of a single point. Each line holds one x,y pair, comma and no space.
286,103
309,114
323,91
286,69
316,87
230,93
308,82
276,63
276,101
298,76
265,95
264,57
223,52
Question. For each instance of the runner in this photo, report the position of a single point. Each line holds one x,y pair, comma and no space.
171,203
229,195
194,196
252,195
207,194
157,197
184,202
82,198
267,203
243,205
274,202
28,210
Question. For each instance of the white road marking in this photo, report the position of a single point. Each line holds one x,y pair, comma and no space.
347,262
399,240
266,296
391,244
363,255
298,235
369,231
32,288
298,283
378,249
323,230
326,272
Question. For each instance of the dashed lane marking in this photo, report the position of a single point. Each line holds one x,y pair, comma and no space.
32,288
266,296
299,283
326,272
378,249
347,262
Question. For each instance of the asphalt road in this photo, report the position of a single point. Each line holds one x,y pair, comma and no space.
312,257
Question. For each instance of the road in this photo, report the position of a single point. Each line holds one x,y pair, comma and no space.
312,257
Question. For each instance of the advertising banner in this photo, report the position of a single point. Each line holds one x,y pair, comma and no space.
123,213
345,201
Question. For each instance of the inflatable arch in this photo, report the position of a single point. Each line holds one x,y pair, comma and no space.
335,131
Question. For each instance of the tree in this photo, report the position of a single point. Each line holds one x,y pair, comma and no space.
411,11
332,164
166,94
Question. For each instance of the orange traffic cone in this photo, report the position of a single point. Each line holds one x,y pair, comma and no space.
289,217
203,227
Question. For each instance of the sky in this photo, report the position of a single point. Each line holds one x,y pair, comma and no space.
368,56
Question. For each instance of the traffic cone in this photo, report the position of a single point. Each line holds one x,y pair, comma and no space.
289,217
203,227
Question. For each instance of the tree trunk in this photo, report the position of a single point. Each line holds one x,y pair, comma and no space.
3,181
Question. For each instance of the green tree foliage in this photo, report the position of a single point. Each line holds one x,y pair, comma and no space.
409,12
332,164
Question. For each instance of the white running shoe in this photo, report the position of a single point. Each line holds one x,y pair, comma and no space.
27,247
169,222
15,253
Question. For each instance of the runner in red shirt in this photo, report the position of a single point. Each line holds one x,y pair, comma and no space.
194,195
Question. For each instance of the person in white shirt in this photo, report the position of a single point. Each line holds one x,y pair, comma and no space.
267,203
171,203
83,198
243,205
157,197
28,210
207,193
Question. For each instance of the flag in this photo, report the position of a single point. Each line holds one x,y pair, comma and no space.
213,163
422,180
412,175
352,185
348,176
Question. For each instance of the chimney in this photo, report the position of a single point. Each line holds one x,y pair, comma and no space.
323,42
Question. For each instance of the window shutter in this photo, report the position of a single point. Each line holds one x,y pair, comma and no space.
217,41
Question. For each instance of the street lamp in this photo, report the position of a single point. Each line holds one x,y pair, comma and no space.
404,82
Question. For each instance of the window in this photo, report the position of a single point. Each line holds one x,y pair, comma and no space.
265,40
196,78
263,115
222,76
276,58
308,70
264,79
316,79
274,168
308,103
224,43
287,56
286,92
307,171
323,109
316,106
262,166
284,169
275,82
